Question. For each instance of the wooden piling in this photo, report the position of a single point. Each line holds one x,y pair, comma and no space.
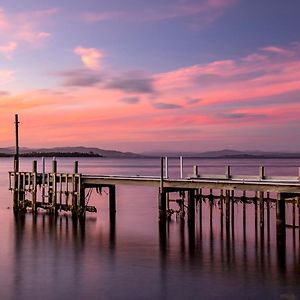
281,230
261,208
112,200
191,206
34,185
54,186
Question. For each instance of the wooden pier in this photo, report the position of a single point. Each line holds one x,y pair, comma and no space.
54,191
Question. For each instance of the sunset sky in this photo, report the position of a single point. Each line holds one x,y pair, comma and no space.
140,75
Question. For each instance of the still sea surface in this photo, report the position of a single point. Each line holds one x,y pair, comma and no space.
137,258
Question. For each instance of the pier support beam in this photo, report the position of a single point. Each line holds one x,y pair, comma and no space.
162,204
281,231
34,185
112,200
191,206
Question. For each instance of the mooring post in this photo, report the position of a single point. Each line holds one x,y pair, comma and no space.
195,171
34,185
76,168
181,166
112,200
227,172
261,172
166,167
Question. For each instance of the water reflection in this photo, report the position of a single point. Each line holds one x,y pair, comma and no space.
247,246
227,242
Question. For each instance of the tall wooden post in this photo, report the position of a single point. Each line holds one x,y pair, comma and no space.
16,166
16,163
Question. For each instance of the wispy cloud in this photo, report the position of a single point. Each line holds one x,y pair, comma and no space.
6,76
26,27
132,82
206,11
162,105
8,49
130,100
90,57
79,77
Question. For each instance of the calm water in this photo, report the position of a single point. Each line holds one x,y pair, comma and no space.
137,258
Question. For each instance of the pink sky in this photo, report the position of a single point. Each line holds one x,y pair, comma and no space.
80,96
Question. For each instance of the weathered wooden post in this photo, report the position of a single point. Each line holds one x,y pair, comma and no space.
227,210
16,162
281,231
195,171
191,206
112,200
261,172
227,172
75,190
181,166
166,167
162,193
43,179
34,185
261,209
17,193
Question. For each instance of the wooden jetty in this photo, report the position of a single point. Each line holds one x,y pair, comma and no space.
54,191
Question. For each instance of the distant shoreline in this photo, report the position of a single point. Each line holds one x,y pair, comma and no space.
96,155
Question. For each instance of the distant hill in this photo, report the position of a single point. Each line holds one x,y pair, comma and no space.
96,152
226,153
66,152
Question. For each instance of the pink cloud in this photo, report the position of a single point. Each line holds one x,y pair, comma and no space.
8,49
278,50
6,76
209,10
25,26
89,56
